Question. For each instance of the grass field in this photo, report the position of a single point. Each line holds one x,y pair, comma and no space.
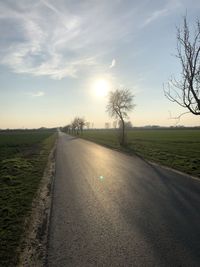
176,148
23,157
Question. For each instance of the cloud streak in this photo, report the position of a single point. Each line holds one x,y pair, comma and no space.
169,7
36,94
113,63
155,15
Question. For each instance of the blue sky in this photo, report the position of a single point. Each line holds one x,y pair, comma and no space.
52,52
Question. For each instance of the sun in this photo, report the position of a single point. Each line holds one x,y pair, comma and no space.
101,87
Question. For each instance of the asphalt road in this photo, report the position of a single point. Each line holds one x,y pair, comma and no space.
110,209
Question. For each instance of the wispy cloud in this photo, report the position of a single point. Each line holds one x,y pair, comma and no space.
113,63
44,44
57,39
62,39
36,94
156,15
170,6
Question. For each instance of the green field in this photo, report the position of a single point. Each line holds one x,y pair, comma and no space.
176,148
23,157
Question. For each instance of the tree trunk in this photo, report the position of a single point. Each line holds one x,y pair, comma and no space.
123,130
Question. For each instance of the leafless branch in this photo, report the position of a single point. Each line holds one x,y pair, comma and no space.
178,118
186,91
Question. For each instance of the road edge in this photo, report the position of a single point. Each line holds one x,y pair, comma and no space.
33,248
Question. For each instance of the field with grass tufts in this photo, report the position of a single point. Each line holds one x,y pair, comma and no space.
23,157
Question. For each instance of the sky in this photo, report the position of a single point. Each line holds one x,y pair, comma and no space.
54,56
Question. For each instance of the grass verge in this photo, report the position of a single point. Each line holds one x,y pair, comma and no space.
175,148
23,157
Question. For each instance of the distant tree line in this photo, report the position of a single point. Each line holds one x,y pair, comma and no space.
76,126
118,125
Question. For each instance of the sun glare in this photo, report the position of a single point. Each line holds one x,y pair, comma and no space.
101,87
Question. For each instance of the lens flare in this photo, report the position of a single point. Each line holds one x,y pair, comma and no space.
101,177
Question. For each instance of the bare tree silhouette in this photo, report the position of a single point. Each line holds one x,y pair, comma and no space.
107,125
77,125
87,124
119,103
186,91
82,123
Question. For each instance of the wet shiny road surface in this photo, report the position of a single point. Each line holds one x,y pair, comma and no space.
110,209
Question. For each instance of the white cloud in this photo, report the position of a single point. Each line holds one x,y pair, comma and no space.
45,43
155,15
37,94
56,39
169,7
59,39
113,63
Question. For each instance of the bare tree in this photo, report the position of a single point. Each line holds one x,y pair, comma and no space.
82,123
77,125
107,125
74,126
127,124
87,124
66,128
119,103
115,124
186,90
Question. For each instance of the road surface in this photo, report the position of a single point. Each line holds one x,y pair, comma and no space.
111,209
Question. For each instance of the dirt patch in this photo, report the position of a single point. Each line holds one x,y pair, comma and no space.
33,248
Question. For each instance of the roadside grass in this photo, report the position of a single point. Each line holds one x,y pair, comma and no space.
175,148
23,157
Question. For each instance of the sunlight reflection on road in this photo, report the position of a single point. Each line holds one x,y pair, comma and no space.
101,177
